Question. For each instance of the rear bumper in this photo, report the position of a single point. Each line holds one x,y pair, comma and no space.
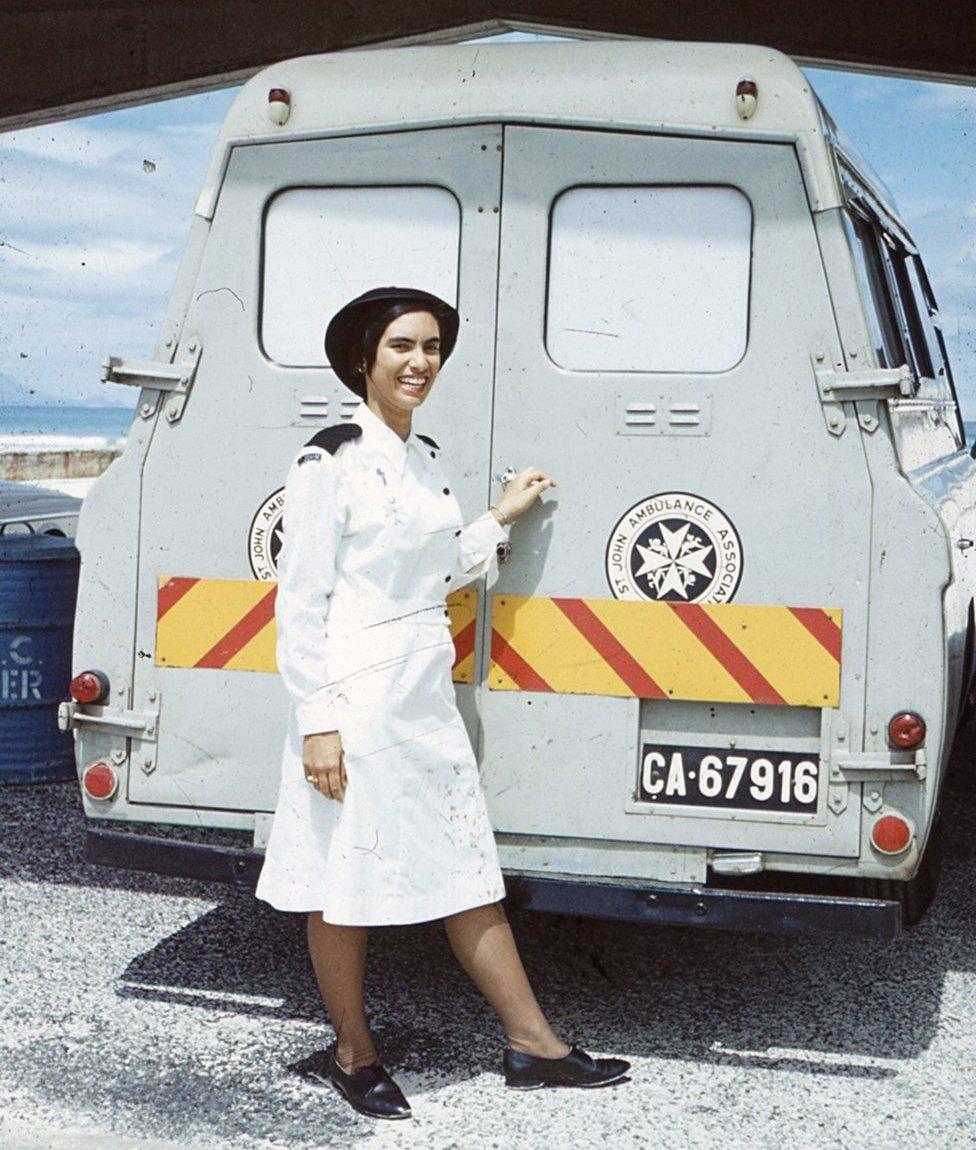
623,900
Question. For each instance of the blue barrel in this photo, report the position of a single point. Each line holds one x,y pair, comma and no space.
38,589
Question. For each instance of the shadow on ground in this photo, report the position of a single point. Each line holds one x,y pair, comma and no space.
821,1006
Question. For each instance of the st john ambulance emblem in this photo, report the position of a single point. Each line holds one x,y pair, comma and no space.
264,537
675,547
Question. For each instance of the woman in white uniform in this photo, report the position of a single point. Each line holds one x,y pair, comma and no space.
381,818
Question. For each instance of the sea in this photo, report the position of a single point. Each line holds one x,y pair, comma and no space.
60,428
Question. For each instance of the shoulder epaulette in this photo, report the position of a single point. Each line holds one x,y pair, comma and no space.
330,439
427,439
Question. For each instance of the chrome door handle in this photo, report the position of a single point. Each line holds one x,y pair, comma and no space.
505,477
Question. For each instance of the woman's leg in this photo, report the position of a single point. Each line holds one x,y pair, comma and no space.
483,943
338,956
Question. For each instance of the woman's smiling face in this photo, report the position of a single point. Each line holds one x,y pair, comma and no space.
408,358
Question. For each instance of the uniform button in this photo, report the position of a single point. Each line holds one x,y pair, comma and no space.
447,491
457,533
433,455
447,578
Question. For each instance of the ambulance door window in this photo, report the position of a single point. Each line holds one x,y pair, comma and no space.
649,278
324,246
882,318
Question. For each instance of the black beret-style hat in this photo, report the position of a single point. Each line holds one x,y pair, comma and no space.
344,335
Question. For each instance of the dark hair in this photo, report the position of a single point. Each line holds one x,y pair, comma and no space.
379,320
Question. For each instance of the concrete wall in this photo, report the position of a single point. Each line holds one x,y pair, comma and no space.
73,464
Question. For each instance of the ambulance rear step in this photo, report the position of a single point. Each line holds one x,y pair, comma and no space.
659,904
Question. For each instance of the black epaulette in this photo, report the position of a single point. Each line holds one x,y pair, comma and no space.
427,439
330,439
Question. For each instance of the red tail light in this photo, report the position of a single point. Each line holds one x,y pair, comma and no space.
891,835
100,781
906,730
89,687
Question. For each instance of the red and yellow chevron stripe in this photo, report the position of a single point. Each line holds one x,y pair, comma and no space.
728,652
228,624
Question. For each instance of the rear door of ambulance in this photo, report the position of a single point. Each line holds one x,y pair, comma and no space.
299,229
677,632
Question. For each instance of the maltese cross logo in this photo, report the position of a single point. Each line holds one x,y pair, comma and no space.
674,559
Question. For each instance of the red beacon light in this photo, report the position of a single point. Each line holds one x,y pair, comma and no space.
100,781
89,687
891,835
906,730
279,105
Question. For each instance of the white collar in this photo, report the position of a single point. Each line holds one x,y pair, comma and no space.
382,437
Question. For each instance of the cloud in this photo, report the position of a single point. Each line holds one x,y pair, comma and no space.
90,242
949,102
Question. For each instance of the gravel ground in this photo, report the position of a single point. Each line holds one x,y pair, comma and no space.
141,1013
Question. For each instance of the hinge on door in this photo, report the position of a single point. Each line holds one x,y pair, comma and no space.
867,383
838,386
136,724
174,379
871,766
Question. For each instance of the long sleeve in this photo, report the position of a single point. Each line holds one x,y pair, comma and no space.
476,547
313,524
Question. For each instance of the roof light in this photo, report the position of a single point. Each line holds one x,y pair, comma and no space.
279,105
746,97
906,730
100,781
89,687
891,835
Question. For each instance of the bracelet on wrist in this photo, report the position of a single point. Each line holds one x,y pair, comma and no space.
503,519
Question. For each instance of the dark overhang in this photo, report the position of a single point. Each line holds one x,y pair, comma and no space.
61,58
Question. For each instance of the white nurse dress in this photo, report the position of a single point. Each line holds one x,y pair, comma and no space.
373,543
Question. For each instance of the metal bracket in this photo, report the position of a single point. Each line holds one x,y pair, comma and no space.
873,766
837,797
262,829
869,383
137,724
873,800
835,731
174,379
867,417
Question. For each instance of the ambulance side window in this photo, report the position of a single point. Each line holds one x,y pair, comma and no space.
918,288
323,246
883,320
909,320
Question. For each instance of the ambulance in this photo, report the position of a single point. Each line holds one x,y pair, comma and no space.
718,673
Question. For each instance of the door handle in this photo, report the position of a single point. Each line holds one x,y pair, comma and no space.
505,477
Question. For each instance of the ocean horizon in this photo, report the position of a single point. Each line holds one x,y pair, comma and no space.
62,428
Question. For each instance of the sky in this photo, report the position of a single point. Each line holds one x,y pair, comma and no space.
95,211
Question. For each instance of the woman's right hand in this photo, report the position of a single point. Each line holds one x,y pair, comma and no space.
324,763
522,491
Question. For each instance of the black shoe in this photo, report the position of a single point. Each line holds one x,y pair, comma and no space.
577,1068
370,1090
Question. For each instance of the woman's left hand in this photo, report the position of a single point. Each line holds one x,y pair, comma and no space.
522,491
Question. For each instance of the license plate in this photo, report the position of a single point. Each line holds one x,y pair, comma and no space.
730,778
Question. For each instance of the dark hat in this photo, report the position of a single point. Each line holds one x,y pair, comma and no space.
344,335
